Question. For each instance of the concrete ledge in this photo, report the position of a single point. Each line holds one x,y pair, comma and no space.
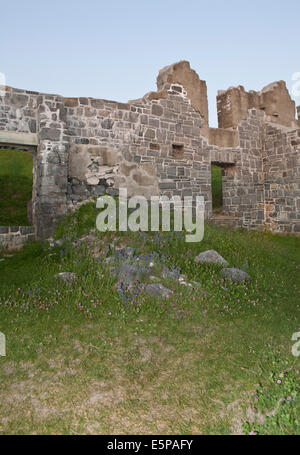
14,138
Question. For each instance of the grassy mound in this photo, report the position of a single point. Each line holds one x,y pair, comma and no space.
15,186
212,359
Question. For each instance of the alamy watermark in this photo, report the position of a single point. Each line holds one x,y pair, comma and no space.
296,346
2,84
2,345
296,85
139,214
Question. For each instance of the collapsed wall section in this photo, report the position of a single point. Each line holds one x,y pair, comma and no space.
181,73
274,100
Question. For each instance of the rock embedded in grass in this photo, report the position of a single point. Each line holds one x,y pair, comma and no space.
67,277
211,257
235,274
157,290
129,273
125,252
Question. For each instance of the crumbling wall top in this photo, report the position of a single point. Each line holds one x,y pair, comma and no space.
274,99
181,73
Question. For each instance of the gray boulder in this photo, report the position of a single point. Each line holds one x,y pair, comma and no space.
128,273
235,274
211,257
125,252
157,290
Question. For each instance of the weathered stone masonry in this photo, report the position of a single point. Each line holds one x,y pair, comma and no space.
14,237
159,144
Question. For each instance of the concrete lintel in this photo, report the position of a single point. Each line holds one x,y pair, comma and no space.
14,138
222,137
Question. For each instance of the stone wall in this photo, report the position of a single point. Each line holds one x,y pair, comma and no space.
14,237
182,74
281,169
274,99
262,189
243,184
18,110
160,145
51,164
151,145
222,137
32,112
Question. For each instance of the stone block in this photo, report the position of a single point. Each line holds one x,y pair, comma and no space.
157,110
50,134
149,134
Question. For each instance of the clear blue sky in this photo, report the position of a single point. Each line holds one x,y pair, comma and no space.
114,49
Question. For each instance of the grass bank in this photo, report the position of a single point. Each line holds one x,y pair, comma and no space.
214,359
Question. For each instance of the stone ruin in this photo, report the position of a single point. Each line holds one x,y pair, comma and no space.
162,144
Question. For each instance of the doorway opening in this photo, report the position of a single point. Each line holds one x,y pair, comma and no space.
16,181
217,187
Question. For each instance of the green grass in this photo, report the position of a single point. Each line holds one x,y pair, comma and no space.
215,359
216,184
15,186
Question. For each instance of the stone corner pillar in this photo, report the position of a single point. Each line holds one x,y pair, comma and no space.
51,165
